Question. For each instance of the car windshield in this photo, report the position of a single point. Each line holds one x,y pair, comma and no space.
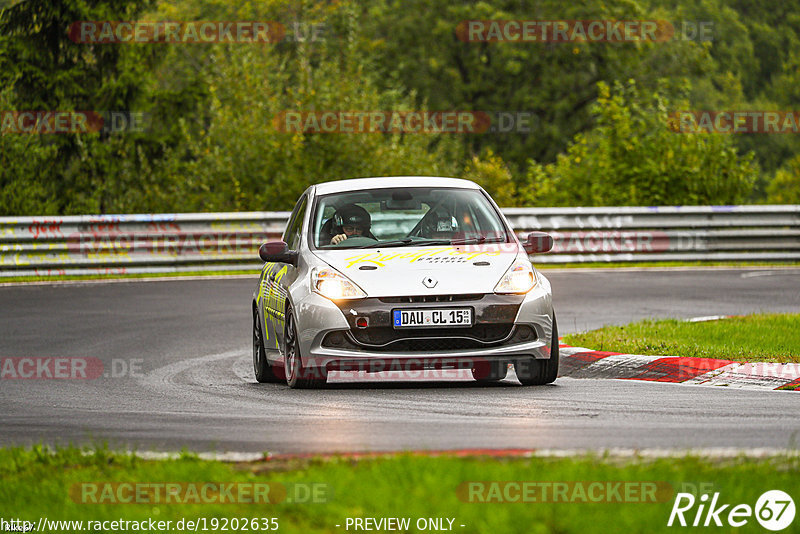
405,217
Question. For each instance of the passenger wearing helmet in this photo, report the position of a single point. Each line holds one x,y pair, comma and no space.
350,220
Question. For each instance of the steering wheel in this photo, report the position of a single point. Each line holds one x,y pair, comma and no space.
356,241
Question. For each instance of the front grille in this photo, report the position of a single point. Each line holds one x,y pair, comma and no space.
480,333
430,298
432,345
493,317
432,340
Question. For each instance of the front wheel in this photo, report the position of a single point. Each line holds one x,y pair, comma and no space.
299,376
540,372
263,370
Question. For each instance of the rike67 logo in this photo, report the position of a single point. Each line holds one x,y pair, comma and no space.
774,510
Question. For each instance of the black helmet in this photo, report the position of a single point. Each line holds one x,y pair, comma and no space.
352,215
439,224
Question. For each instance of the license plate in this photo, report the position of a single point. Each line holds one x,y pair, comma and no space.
432,317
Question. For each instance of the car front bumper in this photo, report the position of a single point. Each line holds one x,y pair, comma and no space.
329,337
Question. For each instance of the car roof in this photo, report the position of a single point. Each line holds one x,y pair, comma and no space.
358,184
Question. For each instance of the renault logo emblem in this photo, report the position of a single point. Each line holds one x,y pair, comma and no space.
429,282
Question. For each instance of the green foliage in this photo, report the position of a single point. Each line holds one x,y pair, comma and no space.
635,157
25,164
555,81
785,186
211,144
493,175
754,48
235,158
44,70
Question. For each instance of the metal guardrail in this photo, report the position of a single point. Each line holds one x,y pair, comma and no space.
127,244
670,233
121,244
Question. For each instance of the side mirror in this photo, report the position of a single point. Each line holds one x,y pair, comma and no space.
538,242
277,252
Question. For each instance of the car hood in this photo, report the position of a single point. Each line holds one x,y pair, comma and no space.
404,271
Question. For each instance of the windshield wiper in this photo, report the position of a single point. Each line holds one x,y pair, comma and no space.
408,241
476,240
396,243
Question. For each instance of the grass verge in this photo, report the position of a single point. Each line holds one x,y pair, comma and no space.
38,484
752,338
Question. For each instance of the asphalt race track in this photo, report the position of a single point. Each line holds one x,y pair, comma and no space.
189,345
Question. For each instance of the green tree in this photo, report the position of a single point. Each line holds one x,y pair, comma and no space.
785,186
491,172
47,71
557,82
25,167
231,156
634,157
754,45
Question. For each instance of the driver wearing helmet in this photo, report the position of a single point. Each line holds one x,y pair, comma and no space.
350,220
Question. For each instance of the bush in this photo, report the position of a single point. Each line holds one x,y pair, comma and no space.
633,157
785,187
26,163
493,175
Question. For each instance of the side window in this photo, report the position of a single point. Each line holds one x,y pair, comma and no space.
292,234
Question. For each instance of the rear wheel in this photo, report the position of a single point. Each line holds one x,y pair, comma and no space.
540,372
487,371
263,370
299,376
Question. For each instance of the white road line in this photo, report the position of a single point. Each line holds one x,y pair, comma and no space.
769,273
706,318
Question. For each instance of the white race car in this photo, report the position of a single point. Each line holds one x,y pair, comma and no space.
402,274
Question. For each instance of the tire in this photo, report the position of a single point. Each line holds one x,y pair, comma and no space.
540,372
488,371
299,376
264,372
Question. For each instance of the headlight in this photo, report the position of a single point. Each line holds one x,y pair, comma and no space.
334,285
519,278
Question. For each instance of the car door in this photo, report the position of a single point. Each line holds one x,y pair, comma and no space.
282,275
